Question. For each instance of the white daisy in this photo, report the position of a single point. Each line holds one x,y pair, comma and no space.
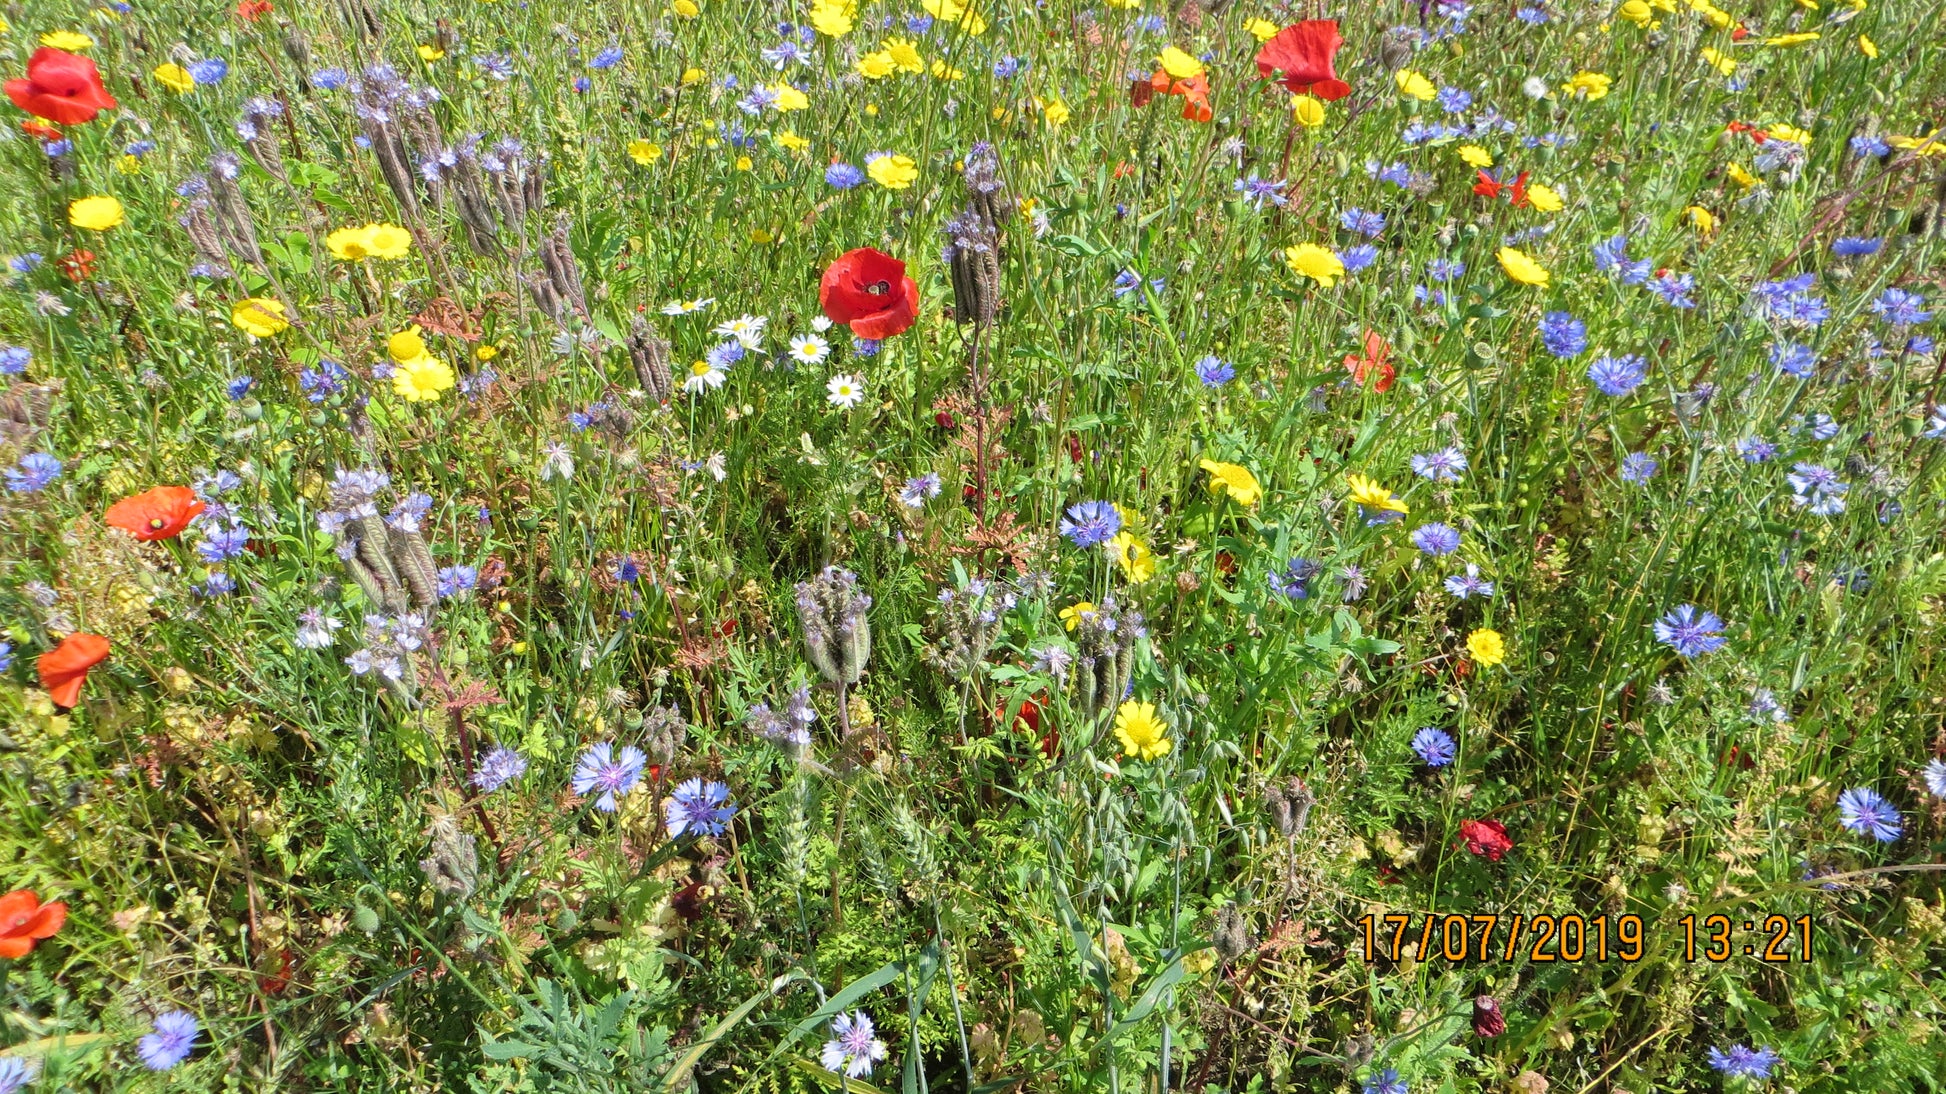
746,329
846,391
809,349
821,324
702,376
687,307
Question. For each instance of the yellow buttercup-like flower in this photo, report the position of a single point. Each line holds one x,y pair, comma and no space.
831,18
1588,85
1722,61
905,55
348,244
1475,156
790,140
790,98
1718,18
876,66
1637,12
1368,494
67,40
1521,268
1234,480
1740,176
1784,131
406,345
943,71
1315,262
688,9
1414,86
692,75
1544,198
1486,647
387,241
422,380
1868,47
891,171
1307,111
174,77
97,214
1075,614
1702,219
1797,39
259,316
1143,735
644,152
430,52
1179,64
1263,30
1133,556
1054,112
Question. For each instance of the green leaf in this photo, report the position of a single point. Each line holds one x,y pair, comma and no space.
1145,1003
678,1076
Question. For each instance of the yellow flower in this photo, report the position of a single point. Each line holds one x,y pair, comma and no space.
1074,614
1233,479
692,75
789,98
1055,112
1315,262
1414,86
791,141
905,55
1370,495
1742,177
688,9
876,66
1703,220
406,345
1143,735
349,244
1720,19
1588,85
1637,12
97,214
1868,47
68,40
129,165
1544,198
422,379
387,241
1784,131
953,11
1486,647
1724,63
644,152
892,172
942,71
1133,556
430,52
1797,39
1179,64
745,163
174,77
486,352
1307,111
1521,268
1475,156
1263,30
259,316
1930,145
832,18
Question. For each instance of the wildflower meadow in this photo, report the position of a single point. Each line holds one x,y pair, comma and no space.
973,546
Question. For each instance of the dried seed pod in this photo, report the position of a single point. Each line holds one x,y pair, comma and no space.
1290,807
973,256
233,219
413,561
558,257
545,297
650,352
1231,935
984,186
203,235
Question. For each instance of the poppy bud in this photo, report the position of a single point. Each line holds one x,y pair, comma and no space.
1487,1019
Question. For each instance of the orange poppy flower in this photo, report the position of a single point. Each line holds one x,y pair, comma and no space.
24,920
65,667
1194,90
159,513
1377,358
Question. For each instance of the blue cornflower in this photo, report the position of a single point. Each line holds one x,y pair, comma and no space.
1091,523
1469,584
1148,24
1756,450
626,570
1454,100
1128,281
1362,222
919,489
1817,489
1821,426
1618,376
1386,1082
210,70
1901,308
918,23
1424,295
1007,67
1214,371
607,58
1398,174
1435,746
1638,468
223,544
582,84
498,66
1870,145
1293,582
1532,16
330,79
1563,335
866,347
783,55
217,584
1674,288
239,386
1742,1062
321,383
602,768
1690,631
1436,538
1257,190
1357,258
498,768
843,176
14,360
1864,811
1856,246
1445,465
25,263
171,1043
725,354
53,149
759,99
1611,257
7,659
454,580
1789,357
854,1046
33,473
14,1075
698,807
1443,270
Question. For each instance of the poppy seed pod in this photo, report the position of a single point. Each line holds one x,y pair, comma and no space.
837,634
650,352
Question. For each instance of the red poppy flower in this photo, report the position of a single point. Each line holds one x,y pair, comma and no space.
1377,360
65,667
1141,92
1304,53
24,921
252,10
159,513
1486,837
65,88
868,289
1194,91
38,129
